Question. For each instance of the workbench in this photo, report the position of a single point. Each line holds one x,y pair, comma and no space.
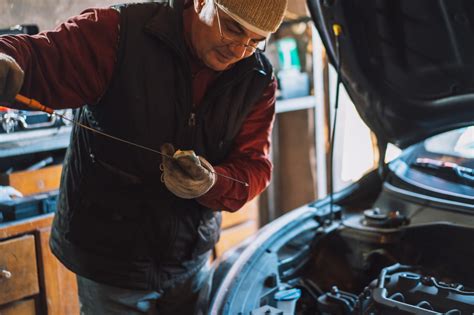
32,280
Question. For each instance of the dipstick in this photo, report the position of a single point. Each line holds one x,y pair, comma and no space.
33,104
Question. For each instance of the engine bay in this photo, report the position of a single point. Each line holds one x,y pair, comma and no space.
375,262
379,249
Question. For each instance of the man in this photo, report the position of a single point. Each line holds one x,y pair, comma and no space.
135,228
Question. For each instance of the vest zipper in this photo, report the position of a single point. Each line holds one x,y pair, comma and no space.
192,120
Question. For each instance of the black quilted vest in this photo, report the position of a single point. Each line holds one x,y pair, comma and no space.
116,222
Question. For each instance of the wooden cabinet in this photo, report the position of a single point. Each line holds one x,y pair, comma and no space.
18,269
26,307
60,286
32,280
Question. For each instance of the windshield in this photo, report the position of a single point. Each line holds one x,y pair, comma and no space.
443,165
458,144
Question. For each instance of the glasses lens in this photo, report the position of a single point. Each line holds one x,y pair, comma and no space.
262,45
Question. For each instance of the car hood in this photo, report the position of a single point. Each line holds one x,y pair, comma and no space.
408,65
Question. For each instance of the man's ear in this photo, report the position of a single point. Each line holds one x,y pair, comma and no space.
199,5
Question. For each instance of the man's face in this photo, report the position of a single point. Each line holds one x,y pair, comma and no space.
218,40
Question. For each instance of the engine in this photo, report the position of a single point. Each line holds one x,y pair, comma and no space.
400,290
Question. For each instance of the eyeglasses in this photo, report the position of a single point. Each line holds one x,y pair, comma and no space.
236,40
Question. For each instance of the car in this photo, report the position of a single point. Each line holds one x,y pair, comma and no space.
399,240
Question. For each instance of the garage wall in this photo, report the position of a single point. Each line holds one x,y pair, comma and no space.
45,13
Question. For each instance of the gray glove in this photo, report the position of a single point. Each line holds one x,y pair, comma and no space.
11,78
186,175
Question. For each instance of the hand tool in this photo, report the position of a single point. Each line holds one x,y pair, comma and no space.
35,105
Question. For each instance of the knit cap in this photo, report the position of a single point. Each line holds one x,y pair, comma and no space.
259,16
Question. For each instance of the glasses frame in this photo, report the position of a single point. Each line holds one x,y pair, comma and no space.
248,48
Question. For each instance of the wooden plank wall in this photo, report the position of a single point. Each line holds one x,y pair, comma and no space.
46,13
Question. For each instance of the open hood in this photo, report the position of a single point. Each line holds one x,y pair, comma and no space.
408,65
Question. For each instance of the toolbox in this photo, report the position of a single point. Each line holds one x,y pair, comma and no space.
13,120
21,208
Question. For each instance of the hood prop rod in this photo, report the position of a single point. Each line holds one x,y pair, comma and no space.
382,148
337,29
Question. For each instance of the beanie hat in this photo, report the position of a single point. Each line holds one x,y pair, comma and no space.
259,16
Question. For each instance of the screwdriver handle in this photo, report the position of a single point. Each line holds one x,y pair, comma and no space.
33,104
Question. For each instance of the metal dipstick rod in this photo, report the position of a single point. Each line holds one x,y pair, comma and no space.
33,104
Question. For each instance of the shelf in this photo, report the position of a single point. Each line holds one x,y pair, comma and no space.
292,104
34,141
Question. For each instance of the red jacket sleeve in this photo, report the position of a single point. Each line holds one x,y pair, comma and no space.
71,65
248,161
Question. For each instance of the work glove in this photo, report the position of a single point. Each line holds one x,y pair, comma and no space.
11,78
9,193
185,174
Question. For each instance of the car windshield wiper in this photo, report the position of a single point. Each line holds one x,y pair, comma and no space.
448,169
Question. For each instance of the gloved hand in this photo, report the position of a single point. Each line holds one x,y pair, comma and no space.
186,175
11,78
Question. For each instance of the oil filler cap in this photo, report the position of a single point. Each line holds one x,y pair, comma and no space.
286,300
287,295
